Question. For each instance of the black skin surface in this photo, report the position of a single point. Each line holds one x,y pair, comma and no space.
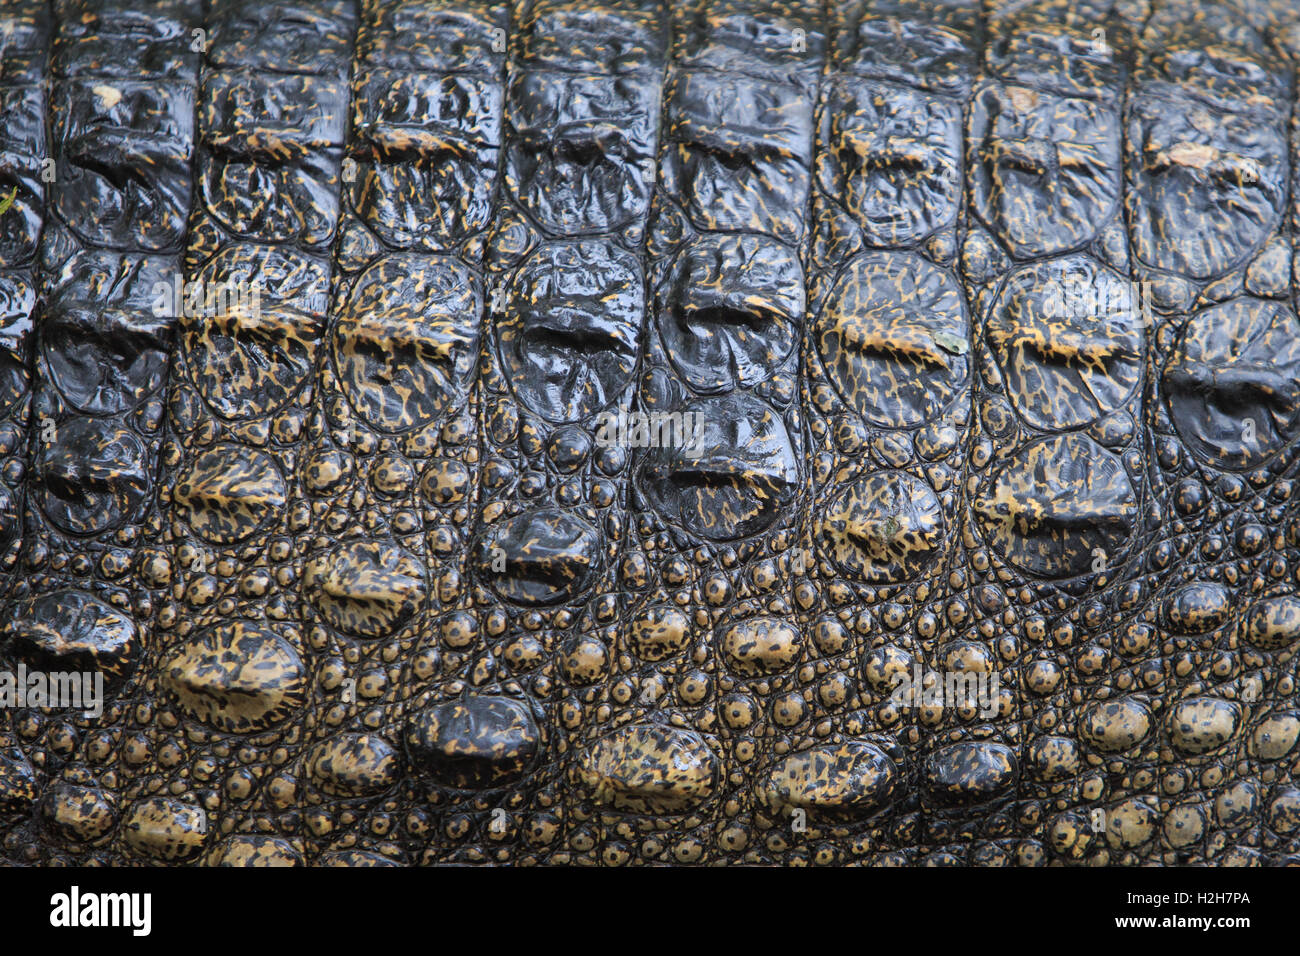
550,432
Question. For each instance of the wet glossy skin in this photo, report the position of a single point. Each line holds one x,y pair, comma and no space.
123,118
1225,171
117,180
980,327
426,149
406,345
1073,354
272,156
729,309
738,176
896,160
600,156
251,356
1043,159
898,362
23,146
1236,363
574,316
739,475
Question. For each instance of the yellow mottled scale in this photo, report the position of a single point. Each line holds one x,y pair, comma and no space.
894,339
237,678
1068,340
1057,503
649,770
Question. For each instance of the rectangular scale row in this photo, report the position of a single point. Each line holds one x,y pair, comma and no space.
1055,494
393,464
24,175
536,638
1054,484
1208,168
714,437
121,105
886,380
272,112
25,32
1271,624
120,94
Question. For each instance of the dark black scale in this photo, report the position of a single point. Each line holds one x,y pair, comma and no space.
122,118
1273,519
23,151
1220,418
24,63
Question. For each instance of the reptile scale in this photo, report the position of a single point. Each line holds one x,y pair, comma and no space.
638,432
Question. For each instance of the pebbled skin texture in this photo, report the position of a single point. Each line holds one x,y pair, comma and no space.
576,423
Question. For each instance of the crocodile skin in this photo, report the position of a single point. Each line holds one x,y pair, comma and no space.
754,431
